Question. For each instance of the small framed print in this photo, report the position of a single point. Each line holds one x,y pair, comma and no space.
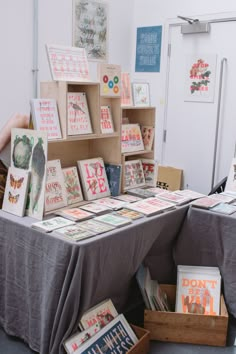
141,94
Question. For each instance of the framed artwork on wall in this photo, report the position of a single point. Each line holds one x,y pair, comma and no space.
90,22
148,49
141,94
200,74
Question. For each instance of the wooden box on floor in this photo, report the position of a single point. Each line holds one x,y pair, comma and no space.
142,346
187,328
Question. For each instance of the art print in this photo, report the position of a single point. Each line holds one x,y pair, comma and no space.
29,152
141,95
200,72
90,19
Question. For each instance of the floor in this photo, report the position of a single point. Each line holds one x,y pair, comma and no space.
11,345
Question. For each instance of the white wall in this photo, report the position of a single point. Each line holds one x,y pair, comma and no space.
59,31
158,12
16,57
55,27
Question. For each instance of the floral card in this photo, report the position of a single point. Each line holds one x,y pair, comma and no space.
200,73
141,94
72,184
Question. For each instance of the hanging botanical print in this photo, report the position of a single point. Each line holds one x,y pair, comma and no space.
200,75
90,20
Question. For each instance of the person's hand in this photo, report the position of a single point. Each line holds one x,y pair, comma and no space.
17,120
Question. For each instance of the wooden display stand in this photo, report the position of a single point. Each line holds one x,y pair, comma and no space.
142,116
187,328
142,347
70,149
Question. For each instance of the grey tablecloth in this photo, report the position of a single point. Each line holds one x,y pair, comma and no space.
209,239
47,282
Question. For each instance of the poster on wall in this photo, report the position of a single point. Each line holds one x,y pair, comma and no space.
90,19
148,49
200,73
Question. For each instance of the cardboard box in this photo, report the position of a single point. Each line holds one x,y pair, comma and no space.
186,328
169,178
142,347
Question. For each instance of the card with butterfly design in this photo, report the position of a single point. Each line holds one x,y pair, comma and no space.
16,191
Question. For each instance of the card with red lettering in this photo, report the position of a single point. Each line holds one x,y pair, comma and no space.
101,313
72,184
55,190
106,122
78,117
131,138
79,338
93,178
75,214
45,116
198,290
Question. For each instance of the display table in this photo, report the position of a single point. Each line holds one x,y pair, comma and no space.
209,239
47,282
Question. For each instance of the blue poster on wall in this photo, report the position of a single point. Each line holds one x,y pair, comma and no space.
148,49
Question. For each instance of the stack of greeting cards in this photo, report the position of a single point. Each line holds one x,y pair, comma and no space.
103,330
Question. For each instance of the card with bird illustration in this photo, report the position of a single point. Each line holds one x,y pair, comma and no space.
93,178
15,195
78,117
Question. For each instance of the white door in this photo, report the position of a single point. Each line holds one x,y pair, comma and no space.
191,126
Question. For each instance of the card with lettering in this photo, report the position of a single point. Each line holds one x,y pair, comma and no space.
93,178
198,290
103,341
78,117
131,138
55,191
45,117
106,121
